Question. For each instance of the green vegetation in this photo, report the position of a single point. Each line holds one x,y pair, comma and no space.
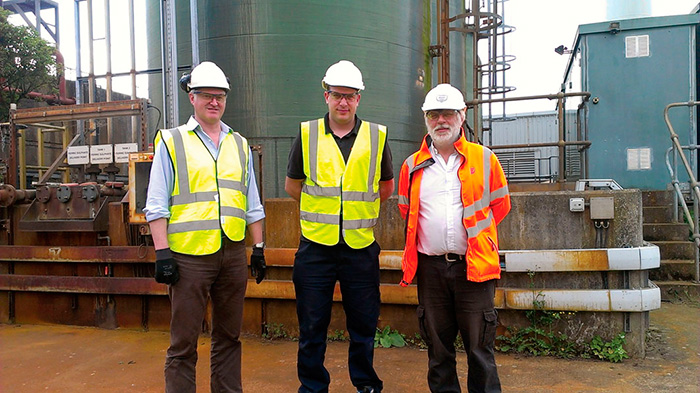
273,331
27,64
540,339
387,338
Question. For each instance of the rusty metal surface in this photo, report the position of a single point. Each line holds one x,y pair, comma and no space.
284,257
76,112
128,254
77,284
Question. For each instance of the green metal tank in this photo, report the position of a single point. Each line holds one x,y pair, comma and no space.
276,52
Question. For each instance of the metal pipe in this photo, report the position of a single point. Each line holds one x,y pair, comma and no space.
91,57
132,72
556,96
561,144
108,50
541,144
689,170
194,32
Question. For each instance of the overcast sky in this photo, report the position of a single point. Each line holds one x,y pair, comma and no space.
541,26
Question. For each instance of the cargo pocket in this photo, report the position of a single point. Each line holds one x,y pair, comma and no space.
420,313
490,323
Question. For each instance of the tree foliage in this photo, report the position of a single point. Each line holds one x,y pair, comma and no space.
27,64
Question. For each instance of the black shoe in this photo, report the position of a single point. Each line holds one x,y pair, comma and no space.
368,389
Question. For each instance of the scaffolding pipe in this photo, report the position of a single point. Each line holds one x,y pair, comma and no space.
108,50
132,72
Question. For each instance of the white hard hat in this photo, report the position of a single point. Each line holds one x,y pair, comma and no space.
444,96
206,74
343,73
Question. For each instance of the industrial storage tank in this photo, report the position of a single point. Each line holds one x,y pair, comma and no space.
276,52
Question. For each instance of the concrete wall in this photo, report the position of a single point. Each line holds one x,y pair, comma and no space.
538,221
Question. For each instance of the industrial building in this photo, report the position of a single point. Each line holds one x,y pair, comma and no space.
595,208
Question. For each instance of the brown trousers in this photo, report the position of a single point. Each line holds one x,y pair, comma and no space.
223,277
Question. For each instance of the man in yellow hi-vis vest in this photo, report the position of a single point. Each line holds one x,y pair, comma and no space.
202,195
339,170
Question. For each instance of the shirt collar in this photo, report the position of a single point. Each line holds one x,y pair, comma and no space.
192,125
354,130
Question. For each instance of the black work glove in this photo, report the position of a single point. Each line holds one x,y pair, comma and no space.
166,267
257,264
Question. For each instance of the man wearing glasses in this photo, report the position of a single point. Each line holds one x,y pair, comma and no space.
340,171
452,194
202,195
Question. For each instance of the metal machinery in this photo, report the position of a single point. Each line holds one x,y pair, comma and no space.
75,248
71,243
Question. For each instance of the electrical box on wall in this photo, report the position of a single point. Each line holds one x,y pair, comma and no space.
576,205
602,208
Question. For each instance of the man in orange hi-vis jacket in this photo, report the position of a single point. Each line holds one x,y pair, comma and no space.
452,194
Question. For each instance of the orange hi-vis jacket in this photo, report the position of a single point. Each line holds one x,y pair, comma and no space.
485,199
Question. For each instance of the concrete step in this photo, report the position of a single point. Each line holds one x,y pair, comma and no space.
665,231
679,290
675,249
657,198
657,214
674,269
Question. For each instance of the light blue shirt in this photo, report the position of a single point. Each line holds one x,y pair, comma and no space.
162,180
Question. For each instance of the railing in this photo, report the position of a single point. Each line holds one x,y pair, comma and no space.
677,150
561,143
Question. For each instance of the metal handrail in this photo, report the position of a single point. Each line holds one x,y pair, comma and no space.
561,143
692,220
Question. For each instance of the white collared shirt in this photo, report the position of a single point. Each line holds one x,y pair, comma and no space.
440,228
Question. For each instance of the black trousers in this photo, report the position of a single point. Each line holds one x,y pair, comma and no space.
449,304
316,270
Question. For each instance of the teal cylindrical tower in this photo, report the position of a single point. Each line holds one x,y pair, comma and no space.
276,52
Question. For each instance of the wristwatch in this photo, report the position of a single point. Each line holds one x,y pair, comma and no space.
259,245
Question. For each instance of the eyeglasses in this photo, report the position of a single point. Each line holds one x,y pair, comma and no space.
220,98
339,96
447,114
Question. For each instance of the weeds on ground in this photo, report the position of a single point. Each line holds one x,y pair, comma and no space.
540,339
388,338
274,331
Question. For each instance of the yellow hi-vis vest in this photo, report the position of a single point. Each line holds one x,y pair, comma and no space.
208,195
332,186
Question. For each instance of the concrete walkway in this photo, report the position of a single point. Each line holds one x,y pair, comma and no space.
67,359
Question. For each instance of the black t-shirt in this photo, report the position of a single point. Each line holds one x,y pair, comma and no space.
295,165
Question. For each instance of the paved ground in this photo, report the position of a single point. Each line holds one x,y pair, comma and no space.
61,359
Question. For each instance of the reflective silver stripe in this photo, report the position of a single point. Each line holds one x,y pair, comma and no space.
410,162
474,231
468,211
320,218
359,224
320,191
230,211
313,150
359,196
192,226
374,146
244,163
183,199
484,201
183,176
486,196
500,193
403,200
232,185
